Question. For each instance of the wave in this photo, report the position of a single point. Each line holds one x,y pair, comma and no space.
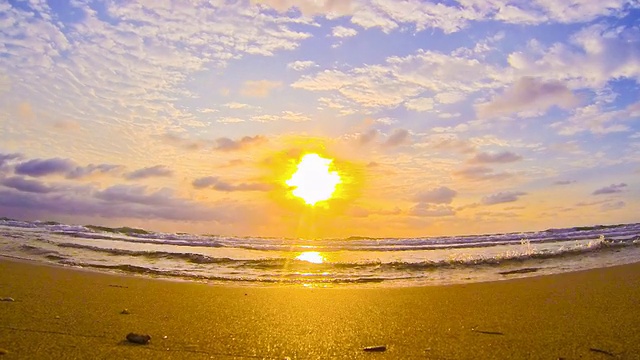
142,270
354,243
191,257
46,253
289,264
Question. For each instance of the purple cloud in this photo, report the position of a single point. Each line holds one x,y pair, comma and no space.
153,171
39,167
613,205
21,184
502,197
158,205
461,146
217,184
135,194
481,173
397,137
82,171
441,195
529,93
564,182
367,137
204,182
611,189
4,158
178,141
432,210
500,157
226,144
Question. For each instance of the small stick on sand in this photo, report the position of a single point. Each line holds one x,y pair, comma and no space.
596,350
486,332
378,348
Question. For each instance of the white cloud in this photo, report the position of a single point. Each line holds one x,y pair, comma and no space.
285,115
585,62
389,15
343,32
237,105
419,104
230,120
449,97
300,65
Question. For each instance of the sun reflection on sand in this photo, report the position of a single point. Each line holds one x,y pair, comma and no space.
311,256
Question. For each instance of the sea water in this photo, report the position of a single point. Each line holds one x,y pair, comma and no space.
355,261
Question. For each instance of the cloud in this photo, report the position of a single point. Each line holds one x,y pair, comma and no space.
119,201
309,7
441,195
83,171
481,173
564,182
500,157
178,141
613,206
419,104
294,116
259,88
451,17
135,194
217,184
236,105
343,32
367,137
147,172
226,144
204,182
26,185
6,158
300,65
529,93
502,197
431,210
611,189
451,143
449,97
397,137
229,120
39,167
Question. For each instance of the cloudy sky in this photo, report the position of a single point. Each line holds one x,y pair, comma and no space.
443,117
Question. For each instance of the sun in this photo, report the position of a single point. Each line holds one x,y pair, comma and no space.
313,181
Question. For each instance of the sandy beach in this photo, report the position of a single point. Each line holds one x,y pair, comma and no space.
61,313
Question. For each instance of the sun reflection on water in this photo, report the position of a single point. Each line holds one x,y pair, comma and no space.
311,256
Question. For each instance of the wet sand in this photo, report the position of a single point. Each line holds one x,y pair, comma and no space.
62,313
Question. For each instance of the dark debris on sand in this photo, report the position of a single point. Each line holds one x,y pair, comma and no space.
138,338
519,271
377,348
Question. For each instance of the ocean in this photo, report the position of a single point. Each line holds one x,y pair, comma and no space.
354,261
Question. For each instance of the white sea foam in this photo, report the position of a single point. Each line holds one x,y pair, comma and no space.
384,261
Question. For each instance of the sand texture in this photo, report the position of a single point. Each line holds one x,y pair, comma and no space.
60,313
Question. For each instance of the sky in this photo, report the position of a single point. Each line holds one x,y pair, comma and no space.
441,117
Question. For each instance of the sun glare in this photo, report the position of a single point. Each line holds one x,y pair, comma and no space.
311,256
313,181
